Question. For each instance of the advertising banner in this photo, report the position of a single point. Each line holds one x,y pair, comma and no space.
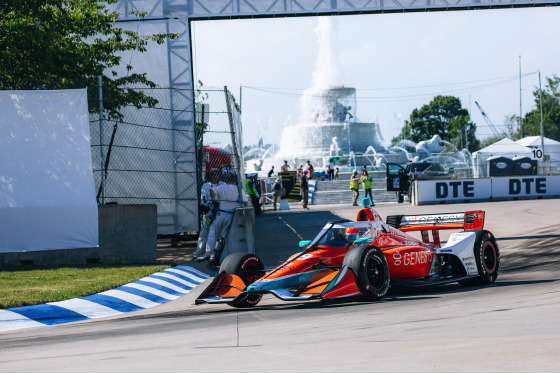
459,190
435,191
523,186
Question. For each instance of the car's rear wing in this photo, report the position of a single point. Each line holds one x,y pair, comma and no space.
447,221
467,221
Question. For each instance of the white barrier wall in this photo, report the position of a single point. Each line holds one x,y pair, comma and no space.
47,193
503,188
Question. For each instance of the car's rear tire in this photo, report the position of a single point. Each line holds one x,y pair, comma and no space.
249,268
371,269
487,257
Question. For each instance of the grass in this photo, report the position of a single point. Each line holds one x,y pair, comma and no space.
31,285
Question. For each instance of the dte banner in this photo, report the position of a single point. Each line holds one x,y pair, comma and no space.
458,190
526,186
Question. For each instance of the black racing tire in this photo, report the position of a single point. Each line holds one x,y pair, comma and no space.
249,268
487,257
371,269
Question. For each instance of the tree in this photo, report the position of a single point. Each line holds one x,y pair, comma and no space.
443,116
63,44
551,111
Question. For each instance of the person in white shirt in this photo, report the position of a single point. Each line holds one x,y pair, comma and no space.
226,197
206,206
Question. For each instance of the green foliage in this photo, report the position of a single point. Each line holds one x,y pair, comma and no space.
30,285
443,116
551,111
65,44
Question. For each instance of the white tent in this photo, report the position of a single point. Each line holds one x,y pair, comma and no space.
551,147
505,148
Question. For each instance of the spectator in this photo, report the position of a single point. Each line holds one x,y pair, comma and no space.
304,190
224,200
276,192
300,172
271,172
206,208
336,174
251,190
285,167
366,183
330,169
309,169
354,179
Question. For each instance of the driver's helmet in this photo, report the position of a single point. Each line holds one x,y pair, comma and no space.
352,233
338,235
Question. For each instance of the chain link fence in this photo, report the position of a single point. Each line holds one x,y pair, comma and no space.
161,155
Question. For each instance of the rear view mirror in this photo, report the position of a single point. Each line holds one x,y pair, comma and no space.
304,243
368,239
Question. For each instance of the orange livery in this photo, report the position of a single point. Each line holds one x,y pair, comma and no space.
363,258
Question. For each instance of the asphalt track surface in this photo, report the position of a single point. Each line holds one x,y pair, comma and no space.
511,326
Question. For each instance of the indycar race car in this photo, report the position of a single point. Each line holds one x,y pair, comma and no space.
363,258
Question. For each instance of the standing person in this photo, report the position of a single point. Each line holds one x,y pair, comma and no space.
285,167
331,169
206,207
225,198
336,174
366,183
276,192
354,179
271,172
300,172
304,190
364,169
309,169
253,194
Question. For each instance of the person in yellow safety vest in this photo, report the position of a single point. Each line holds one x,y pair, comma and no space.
366,183
354,179
251,190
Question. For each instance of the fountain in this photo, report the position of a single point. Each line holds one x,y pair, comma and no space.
328,126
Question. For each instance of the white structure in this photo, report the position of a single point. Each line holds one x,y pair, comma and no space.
47,193
504,148
551,148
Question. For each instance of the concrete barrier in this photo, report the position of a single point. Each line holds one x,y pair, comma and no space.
241,237
127,234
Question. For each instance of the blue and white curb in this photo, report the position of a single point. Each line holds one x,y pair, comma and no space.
153,290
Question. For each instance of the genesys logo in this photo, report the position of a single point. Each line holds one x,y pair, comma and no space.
433,219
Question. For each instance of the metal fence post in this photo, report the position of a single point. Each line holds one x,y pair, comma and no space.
100,90
234,144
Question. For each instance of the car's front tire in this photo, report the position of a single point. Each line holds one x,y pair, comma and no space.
249,268
371,269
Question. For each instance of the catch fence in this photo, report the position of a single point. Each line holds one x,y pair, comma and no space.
161,155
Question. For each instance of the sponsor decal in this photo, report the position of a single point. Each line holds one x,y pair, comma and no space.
417,258
412,258
454,238
454,189
397,258
305,257
445,250
434,219
527,186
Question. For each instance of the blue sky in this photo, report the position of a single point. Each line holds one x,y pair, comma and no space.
397,62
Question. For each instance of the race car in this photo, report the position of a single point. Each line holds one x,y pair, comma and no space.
363,258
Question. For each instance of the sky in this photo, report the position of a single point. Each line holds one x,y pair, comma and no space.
397,62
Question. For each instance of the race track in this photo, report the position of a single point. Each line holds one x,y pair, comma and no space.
512,326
